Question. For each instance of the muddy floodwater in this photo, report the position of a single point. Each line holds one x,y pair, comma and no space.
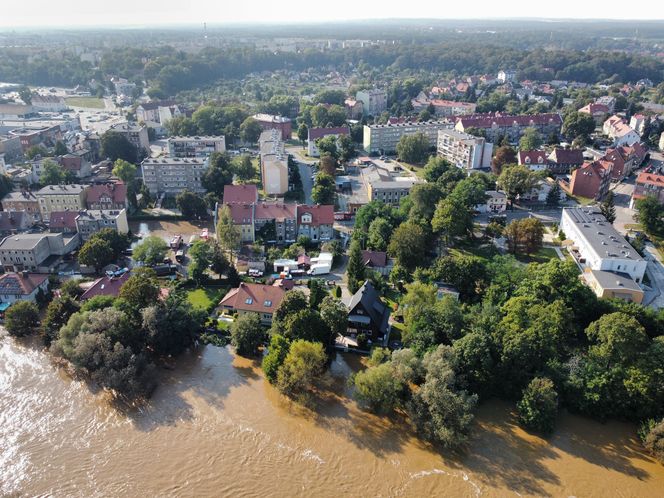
215,428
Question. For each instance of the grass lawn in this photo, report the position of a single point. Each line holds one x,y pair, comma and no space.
418,169
90,102
634,226
202,298
543,255
584,201
485,252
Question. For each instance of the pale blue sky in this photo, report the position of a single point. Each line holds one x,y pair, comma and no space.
65,13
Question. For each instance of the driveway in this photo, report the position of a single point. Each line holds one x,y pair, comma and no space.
307,182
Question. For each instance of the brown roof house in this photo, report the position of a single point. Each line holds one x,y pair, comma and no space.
22,286
14,222
63,222
377,261
107,196
562,161
315,222
105,286
592,181
240,194
254,298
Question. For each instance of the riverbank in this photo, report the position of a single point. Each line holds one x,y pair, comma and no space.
214,427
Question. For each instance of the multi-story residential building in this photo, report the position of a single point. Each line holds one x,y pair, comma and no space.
276,222
22,286
536,160
273,162
107,197
49,103
562,161
123,87
608,101
317,133
442,108
619,131
354,108
10,147
384,138
648,184
38,135
374,101
279,123
91,221
61,198
23,201
638,123
76,163
240,194
136,134
463,150
661,142
623,160
14,222
149,112
597,111
315,222
196,146
591,181
243,218
505,75
172,175
388,187
63,222
498,125
35,251
598,245
496,202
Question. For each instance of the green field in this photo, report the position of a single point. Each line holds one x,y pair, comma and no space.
88,102
202,298
541,256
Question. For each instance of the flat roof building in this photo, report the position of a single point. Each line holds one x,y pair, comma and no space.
464,150
172,175
196,146
383,138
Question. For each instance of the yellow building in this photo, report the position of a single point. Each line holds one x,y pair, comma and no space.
610,285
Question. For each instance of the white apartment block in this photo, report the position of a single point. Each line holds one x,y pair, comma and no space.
172,175
374,101
384,138
273,162
91,221
136,134
600,244
464,150
196,146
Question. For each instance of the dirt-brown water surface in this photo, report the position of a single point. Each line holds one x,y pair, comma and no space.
215,428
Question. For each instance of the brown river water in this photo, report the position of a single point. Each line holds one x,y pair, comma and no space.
214,427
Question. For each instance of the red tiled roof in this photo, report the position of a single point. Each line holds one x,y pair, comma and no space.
315,133
451,103
116,191
532,157
593,109
566,156
71,162
258,298
487,120
63,219
243,194
105,286
374,258
320,214
274,211
16,284
650,179
241,213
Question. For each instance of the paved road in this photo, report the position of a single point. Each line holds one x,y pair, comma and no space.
307,182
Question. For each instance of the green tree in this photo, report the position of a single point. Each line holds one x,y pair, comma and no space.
317,292
530,140
244,168
201,254
578,124
57,314
117,241
218,174
653,440
650,214
452,219
250,130
346,148
151,250
302,133
335,315
96,253
293,302
36,150
25,94
324,191
516,180
378,388
355,271
379,234
307,324
115,146
276,354
435,168
98,303
54,174
141,289
538,406
228,234
303,366
408,245
71,288
60,149
608,207
424,197
191,205
524,236
247,334
414,148
124,170
327,146
22,318
553,197
172,325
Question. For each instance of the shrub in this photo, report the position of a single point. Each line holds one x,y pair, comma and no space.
539,405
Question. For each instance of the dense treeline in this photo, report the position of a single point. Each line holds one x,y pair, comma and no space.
170,71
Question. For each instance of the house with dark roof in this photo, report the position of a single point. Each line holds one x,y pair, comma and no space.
254,298
377,261
105,286
648,184
107,196
624,159
63,222
535,160
13,222
282,216
513,127
597,111
562,161
318,133
315,222
368,315
22,286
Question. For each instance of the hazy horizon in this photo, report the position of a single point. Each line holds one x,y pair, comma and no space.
174,13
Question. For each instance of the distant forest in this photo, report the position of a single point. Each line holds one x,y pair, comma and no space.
570,51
